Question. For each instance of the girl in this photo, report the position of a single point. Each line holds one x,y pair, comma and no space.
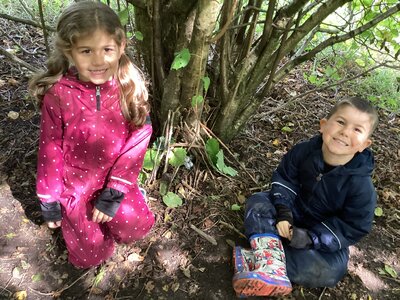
94,133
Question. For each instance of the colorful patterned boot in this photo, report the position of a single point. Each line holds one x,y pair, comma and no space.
268,277
243,260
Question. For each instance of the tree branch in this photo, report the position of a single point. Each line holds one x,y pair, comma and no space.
24,21
15,59
334,40
227,23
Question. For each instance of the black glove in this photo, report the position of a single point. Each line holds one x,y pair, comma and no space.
109,201
300,239
51,211
283,213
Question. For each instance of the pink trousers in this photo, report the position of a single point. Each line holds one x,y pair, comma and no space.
90,243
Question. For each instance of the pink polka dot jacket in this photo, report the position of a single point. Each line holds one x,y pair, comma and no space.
87,147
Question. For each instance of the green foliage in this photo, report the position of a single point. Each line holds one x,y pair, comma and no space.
216,156
177,158
139,35
172,200
206,83
124,16
378,212
388,270
197,100
181,59
235,207
151,159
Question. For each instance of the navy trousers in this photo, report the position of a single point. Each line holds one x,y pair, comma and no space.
306,267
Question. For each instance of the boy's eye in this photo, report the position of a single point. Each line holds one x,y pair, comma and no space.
109,49
340,122
358,130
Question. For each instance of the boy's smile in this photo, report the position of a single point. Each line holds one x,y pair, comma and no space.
344,134
96,56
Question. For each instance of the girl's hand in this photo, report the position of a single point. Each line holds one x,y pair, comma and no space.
284,229
54,225
100,217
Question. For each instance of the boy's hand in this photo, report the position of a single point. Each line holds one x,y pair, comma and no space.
284,229
100,217
54,225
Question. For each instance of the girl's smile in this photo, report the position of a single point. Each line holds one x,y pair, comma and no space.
96,56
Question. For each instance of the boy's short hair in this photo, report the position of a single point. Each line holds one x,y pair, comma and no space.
360,104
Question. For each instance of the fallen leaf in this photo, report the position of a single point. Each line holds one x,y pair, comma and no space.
149,286
16,273
13,115
276,142
175,286
20,295
135,257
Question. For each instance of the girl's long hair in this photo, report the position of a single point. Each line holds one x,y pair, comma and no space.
80,19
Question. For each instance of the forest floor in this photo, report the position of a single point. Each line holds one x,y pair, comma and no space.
174,261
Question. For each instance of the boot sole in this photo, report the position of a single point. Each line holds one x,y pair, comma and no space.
254,285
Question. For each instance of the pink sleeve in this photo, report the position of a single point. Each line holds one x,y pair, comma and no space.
123,175
49,183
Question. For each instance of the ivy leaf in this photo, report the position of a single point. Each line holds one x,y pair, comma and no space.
124,16
197,100
181,59
212,149
286,129
221,165
151,159
206,83
139,35
178,157
172,200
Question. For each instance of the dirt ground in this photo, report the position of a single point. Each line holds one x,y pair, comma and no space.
175,262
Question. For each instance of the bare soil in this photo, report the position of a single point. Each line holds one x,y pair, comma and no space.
175,262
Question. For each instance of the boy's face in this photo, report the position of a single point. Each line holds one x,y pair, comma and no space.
344,134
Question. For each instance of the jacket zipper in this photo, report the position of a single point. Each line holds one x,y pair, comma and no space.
98,98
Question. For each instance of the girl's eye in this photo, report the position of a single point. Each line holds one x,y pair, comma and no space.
340,122
109,49
86,51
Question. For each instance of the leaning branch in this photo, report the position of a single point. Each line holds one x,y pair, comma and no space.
24,21
15,59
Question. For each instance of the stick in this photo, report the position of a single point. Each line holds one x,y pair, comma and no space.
204,235
233,228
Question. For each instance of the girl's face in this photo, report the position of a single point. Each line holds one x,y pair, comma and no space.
96,56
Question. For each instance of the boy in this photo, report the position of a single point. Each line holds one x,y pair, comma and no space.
322,200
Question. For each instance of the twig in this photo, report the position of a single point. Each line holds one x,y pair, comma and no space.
322,294
207,130
233,228
59,292
15,59
204,235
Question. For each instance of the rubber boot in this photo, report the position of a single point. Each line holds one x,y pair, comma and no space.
243,260
268,277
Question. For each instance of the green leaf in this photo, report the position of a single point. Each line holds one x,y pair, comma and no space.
286,129
178,156
206,83
235,207
181,59
151,159
36,277
221,165
172,200
139,35
360,62
124,16
163,188
197,100
392,272
212,149
378,212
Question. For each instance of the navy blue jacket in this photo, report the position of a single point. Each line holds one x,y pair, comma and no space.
337,207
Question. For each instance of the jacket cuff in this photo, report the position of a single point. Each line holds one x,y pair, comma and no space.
283,213
109,201
51,211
